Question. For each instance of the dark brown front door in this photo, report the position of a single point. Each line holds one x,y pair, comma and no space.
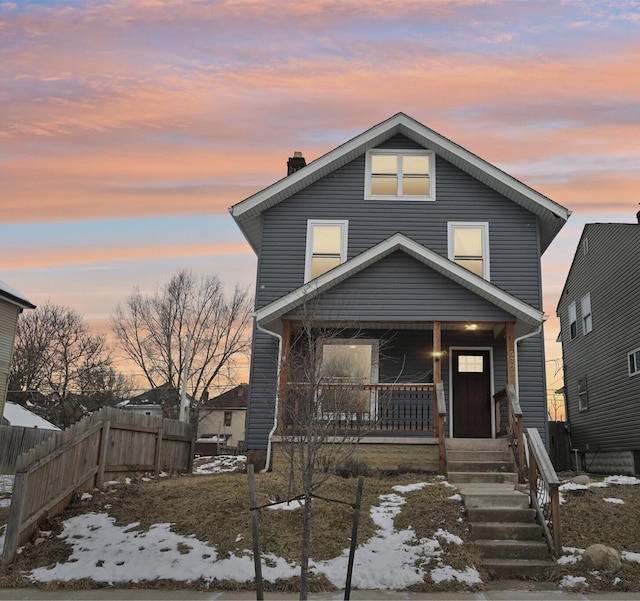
471,382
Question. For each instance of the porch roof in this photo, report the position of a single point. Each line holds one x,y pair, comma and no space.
527,318
551,215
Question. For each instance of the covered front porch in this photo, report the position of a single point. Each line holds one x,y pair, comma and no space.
396,380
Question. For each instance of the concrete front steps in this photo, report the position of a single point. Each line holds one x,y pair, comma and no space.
500,519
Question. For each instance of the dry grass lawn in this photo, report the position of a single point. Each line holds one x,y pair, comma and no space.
215,508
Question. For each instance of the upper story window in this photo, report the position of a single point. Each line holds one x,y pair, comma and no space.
573,325
634,362
585,307
404,174
583,394
469,246
326,246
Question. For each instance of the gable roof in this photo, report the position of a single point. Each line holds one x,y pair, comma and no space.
551,215
14,297
528,318
613,233
236,398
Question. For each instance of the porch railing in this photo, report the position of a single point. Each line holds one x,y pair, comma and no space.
544,491
397,407
513,425
440,427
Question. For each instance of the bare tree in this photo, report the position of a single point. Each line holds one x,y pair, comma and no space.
56,354
327,406
152,330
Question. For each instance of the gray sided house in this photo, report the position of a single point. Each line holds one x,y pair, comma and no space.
599,312
12,303
425,250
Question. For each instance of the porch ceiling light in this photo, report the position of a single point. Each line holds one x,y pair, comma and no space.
471,326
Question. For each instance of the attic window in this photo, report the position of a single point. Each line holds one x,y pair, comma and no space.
394,174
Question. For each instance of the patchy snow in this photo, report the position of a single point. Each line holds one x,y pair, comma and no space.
571,581
629,556
573,486
220,464
622,480
6,484
566,559
613,500
390,560
411,487
288,505
447,573
85,496
5,502
456,497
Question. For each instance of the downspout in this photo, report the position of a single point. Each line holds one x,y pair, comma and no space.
277,397
515,352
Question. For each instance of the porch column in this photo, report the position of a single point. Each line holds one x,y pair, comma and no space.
437,352
283,364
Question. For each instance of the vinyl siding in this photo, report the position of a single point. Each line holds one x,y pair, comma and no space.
8,323
400,288
397,287
610,272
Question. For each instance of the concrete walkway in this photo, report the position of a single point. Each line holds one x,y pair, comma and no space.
508,591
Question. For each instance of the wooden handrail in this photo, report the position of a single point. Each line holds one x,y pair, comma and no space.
514,425
441,402
544,490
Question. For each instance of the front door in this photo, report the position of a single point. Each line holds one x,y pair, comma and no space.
471,394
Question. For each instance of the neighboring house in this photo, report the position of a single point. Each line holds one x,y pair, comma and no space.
224,416
425,249
599,311
17,415
12,303
165,397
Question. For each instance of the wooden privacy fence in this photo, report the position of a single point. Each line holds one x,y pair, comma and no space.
16,440
108,443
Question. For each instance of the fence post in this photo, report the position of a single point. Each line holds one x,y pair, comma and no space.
255,529
104,452
14,521
158,451
192,450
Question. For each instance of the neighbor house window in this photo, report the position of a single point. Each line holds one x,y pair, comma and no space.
583,396
406,174
469,246
326,246
227,418
585,308
634,362
573,325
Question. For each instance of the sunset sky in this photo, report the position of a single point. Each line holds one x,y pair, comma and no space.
128,127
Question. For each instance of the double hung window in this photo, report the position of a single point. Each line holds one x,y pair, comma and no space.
326,246
395,174
469,246
634,362
573,323
585,308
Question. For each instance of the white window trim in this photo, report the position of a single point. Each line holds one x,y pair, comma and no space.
573,318
584,314
636,354
344,238
484,225
375,367
397,152
583,406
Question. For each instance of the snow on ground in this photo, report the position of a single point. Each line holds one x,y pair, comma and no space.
572,581
613,500
6,484
220,464
391,559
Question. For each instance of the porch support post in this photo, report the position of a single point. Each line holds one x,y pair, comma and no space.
285,348
437,352
439,409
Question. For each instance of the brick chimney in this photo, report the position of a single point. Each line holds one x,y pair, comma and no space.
295,163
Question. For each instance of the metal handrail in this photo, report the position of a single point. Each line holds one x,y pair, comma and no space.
544,491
